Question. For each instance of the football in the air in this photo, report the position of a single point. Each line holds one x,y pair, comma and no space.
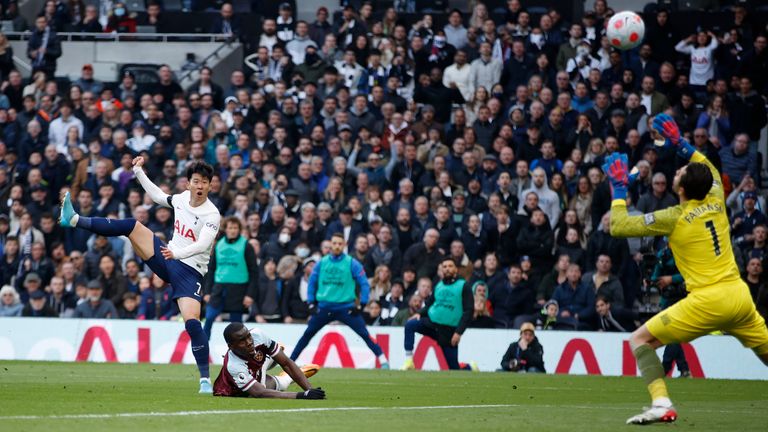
625,30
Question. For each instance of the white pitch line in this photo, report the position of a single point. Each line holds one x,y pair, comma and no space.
312,410
245,411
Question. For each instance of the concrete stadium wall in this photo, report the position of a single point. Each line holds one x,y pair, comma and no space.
337,346
106,56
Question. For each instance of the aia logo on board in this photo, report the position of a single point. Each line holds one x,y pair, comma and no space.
184,231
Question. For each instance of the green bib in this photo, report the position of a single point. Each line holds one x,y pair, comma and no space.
336,284
448,306
230,262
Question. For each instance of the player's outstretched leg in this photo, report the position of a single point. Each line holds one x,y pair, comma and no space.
101,226
661,411
315,324
356,323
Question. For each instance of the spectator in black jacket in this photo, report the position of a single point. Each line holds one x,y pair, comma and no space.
513,299
525,355
425,256
293,301
384,253
226,23
536,241
43,48
601,243
612,319
430,90
37,306
747,109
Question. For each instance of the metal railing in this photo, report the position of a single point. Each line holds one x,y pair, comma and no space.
205,62
128,37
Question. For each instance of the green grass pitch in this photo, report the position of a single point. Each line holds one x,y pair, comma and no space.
130,397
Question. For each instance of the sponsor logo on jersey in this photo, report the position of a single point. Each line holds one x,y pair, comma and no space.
184,231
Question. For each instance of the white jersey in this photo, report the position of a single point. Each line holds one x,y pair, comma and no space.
190,226
239,374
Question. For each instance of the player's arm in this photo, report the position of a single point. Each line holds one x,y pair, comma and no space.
658,223
258,390
665,126
154,192
207,237
661,222
290,367
468,308
358,272
314,277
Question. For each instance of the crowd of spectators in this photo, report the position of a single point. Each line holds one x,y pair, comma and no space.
481,140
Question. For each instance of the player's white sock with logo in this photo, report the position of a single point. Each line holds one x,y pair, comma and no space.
662,402
409,355
283,381
73,220
383,358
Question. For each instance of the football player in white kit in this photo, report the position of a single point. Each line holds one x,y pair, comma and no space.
184,261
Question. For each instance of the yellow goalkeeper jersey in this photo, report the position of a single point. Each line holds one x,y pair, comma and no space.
698,231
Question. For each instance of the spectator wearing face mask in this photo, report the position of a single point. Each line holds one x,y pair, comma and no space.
121,21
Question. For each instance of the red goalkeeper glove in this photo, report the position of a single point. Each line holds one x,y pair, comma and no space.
617,170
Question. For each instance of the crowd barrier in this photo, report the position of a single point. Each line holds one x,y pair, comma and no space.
337,346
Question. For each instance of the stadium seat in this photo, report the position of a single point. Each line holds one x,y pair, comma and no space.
136,5
241,6
172,5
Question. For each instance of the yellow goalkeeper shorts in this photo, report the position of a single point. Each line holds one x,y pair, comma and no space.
726,307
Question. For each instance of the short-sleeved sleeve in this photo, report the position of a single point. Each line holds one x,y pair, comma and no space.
261,338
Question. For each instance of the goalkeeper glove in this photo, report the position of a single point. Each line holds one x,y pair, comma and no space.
616,169
314,393
665,126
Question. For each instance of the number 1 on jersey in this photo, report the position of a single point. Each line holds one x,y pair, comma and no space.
715,242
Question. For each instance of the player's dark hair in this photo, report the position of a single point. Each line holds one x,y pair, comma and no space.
338,234
230,330
199,167
447,258
697,181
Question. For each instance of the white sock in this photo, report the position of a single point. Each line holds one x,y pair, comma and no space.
664,402
208,380
73,220
283,381
383,358
409,355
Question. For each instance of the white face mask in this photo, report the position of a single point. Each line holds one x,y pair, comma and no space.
537,39
284,238
302,252
582,51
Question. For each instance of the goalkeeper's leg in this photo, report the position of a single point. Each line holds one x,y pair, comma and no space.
644,345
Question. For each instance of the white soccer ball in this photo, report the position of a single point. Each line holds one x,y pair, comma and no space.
625,30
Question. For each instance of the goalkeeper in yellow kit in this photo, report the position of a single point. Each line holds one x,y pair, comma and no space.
699,237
